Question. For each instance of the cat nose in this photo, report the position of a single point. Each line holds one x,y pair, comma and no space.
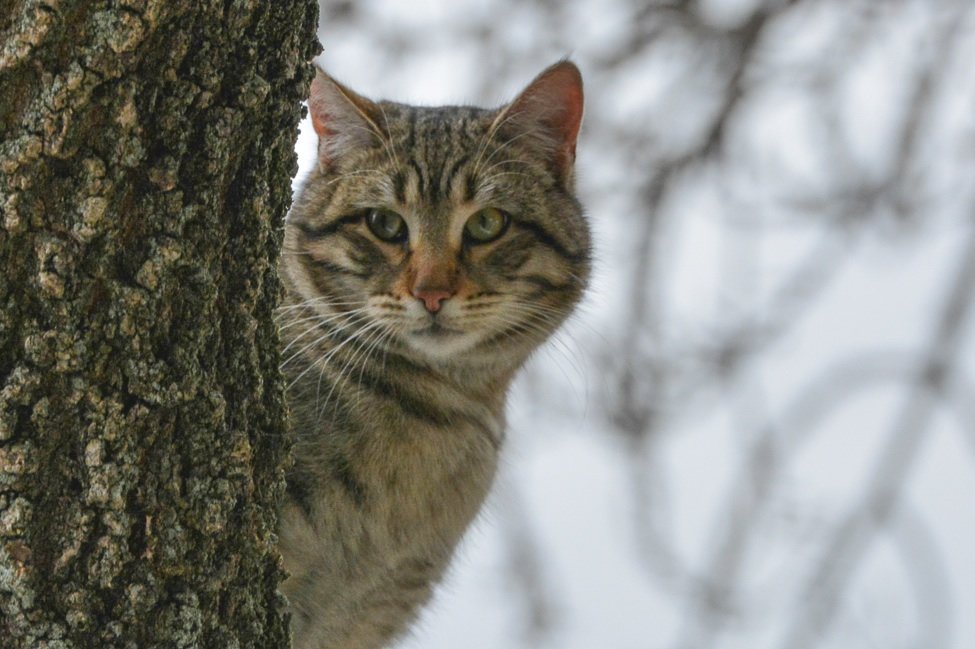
432,298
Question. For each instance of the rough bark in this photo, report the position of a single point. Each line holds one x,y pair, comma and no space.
145,155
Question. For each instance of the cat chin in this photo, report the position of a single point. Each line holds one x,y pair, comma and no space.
443,345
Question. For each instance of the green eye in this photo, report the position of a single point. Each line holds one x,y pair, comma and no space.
386,225
487,225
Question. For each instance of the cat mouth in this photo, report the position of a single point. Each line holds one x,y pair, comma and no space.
436,330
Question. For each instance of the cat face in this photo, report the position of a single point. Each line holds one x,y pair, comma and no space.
447,233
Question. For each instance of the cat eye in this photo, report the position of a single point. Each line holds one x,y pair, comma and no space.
486,225
386,225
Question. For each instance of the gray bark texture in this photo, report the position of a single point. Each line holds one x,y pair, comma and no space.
146,149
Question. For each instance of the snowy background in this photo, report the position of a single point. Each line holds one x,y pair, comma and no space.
760,429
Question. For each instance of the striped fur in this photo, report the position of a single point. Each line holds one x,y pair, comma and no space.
398,412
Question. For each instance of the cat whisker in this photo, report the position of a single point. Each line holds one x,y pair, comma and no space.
335,328
507,161
324,360
282,327
507,117
313,306
543,319
312,310
366,333
507,143
352,174
309,301
488,137
550,321
379,342
316,308
390,147
317,318
514,328
356,173
588,326
491,181
298,353
370,128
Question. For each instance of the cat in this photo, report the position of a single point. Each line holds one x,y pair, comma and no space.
429,252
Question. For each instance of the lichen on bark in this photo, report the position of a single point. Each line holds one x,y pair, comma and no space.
146,149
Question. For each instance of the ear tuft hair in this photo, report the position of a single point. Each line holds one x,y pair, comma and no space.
549,111
343,120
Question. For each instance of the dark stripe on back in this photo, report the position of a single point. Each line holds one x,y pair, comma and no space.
299,490
415,575
374,379
417,408
414,406
345,476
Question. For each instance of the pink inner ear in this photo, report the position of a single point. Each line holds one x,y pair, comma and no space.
554,101
566,91
317,104
572,120
343,120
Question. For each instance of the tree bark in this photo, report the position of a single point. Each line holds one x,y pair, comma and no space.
146,149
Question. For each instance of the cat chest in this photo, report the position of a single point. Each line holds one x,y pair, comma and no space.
426,485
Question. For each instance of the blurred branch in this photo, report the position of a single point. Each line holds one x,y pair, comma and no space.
526,569
717,598
961,394
648,483
632,415
924,564
853,534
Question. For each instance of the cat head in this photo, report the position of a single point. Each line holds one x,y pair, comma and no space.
446,233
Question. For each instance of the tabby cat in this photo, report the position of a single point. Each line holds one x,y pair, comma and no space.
428,254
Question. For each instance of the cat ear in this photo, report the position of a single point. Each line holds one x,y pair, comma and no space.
343,120
549,112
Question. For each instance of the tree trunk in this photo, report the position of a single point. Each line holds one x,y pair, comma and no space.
145,155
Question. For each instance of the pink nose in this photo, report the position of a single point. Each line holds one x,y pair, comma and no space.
432,298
